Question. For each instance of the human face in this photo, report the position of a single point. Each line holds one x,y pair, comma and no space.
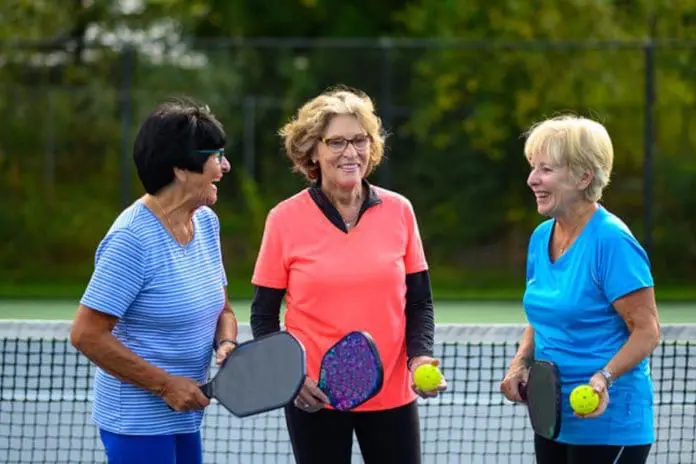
553,186
343,152
203,184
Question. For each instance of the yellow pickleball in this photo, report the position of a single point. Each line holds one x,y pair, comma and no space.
583,399
427,377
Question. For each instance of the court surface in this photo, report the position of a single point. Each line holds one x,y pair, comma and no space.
446,312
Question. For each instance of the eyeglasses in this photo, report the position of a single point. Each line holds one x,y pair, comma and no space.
218,152
339,144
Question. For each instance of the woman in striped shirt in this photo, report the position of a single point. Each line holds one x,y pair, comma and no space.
156,305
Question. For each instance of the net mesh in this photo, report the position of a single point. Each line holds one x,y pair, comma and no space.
45,407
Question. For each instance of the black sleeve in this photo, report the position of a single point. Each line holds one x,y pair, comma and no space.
420,322
265,310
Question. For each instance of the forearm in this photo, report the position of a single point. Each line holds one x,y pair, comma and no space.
226,325
107,352
525,353
640,345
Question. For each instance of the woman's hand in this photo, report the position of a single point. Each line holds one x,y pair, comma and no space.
223,351
310,398
419,361
516,375
183,394
599,384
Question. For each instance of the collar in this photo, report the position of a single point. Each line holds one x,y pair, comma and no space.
330,211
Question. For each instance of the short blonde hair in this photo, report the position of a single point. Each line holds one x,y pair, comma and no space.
577,142
301,134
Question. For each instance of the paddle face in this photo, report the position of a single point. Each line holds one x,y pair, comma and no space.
259,375
351,371
543,396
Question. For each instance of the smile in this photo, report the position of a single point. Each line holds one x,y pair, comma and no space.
349,167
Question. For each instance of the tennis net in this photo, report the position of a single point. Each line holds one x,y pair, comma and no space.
45,402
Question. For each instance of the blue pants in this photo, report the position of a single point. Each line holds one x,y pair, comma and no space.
183,448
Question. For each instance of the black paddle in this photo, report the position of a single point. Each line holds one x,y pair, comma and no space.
259,375
542,393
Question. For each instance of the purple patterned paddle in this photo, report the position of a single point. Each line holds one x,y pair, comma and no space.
351,371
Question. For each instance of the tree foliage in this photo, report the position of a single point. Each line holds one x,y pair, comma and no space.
456,105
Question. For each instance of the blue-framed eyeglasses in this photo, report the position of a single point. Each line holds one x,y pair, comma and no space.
218,152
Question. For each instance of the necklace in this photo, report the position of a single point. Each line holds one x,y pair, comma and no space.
569,237
189,232
565,245
350,222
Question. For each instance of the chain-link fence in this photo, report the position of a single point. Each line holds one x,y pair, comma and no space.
455,112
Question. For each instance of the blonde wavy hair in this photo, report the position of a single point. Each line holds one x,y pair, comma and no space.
579,143
301,134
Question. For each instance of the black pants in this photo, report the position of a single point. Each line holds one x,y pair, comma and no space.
326,436
552,452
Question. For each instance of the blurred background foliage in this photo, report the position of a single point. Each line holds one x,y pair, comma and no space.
79,76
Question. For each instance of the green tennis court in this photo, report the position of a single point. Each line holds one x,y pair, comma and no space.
452,312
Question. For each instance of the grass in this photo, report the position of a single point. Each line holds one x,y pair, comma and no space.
459,312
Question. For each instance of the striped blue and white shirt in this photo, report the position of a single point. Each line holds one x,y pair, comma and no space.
168,298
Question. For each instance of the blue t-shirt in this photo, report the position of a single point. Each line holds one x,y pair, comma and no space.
569,305
168,299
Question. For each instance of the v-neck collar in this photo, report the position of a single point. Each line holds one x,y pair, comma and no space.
330,211
590,224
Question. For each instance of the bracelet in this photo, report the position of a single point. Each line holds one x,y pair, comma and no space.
226,340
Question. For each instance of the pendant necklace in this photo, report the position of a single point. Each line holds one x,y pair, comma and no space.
189,234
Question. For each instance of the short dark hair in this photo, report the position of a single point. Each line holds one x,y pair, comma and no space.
170,136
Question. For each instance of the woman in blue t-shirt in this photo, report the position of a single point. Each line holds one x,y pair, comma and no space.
156,304
589,300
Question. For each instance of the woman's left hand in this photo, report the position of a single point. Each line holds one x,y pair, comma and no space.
418,361
223,352
599,383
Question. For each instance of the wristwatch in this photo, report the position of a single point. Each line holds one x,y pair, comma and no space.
607,375
226,340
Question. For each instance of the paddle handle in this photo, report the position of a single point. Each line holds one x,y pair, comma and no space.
207,389
523,391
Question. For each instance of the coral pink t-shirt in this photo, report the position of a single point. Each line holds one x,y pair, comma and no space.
337,282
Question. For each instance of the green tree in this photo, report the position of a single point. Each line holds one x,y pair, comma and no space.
475,101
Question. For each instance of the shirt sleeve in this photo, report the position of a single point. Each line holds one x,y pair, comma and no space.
265,311
623,265
420,320
415,255
270,269
118,274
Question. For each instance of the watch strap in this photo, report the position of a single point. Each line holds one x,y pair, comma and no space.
607,375
226,340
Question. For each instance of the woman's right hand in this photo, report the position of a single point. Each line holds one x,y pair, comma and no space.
516,376
310,398
183,394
